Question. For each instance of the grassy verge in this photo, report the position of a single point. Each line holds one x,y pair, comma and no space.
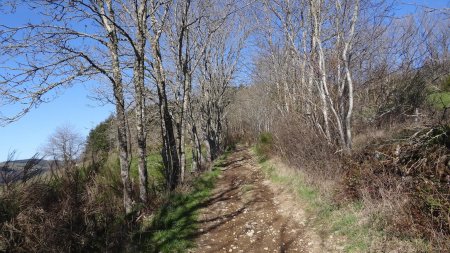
331,219
358,227
155,170
174,226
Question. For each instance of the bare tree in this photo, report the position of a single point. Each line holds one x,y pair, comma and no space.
59,52
64,145
139,77
307,48
191,27
137,18
217,71
158,14
179,33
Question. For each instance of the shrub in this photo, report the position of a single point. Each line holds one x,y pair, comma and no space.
305,150
264,145
410,180
76,209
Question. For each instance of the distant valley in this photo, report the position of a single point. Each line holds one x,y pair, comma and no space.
13,171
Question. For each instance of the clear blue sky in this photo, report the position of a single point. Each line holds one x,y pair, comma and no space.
74,107
29,133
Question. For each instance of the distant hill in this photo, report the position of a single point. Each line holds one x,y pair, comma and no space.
13,171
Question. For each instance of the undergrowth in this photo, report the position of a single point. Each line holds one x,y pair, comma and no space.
338,220
352,220
407,182
80,209
74,210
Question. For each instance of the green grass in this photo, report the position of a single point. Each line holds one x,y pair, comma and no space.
346,222
155,170
174,226
264,145
330,218
439,100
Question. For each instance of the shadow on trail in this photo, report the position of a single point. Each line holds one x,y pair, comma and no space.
228,164
286,240
175,226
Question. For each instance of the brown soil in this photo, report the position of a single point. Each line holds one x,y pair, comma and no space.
247,213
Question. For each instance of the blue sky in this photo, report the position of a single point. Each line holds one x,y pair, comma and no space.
406,7
73,106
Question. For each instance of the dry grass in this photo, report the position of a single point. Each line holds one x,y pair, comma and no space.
407,184
78,210
394,188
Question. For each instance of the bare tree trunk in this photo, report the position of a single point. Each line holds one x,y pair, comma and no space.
186,102
139,69
315,13
108,19
197,156
346,60
169,152
186,99
208,151
180,41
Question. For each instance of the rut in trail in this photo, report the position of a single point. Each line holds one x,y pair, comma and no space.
247,214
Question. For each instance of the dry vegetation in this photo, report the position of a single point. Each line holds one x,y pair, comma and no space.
352,96
393,191
407,178
78,210
395,168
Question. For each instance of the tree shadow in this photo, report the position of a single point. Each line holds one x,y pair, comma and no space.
175,225
227,164
286,239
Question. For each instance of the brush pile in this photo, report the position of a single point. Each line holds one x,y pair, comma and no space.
410,176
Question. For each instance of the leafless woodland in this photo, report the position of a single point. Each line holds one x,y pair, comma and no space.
324,79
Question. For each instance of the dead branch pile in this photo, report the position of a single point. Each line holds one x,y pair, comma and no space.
411,176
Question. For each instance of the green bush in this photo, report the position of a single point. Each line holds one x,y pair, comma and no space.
439,100
265,138
99,143
264,146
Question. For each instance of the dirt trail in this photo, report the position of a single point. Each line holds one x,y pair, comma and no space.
247,213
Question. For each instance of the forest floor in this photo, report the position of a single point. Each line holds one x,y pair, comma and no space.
248,213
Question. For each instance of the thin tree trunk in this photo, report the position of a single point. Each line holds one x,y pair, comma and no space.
197,158
169,153
315,47
139,87
120,103
186,101
346,60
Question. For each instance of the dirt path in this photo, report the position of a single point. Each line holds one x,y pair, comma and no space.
246,213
